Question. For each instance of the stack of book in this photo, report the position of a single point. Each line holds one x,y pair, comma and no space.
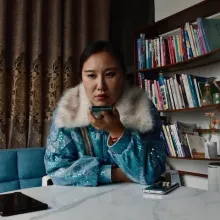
178,92
182,140
191,41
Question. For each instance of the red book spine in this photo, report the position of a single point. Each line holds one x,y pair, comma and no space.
170,50
173,49
164,53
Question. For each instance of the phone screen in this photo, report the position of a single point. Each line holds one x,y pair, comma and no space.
97,110
18,203
160,186
101,108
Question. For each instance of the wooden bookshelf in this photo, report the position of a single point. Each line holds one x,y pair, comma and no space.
188,158
214,130
203,60
192,174
207,107
165,28
175,21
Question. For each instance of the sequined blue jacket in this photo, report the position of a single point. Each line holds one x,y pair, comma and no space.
139,152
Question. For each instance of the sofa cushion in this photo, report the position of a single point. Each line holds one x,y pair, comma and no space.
31,163
8,165
9,186
26,183
21,168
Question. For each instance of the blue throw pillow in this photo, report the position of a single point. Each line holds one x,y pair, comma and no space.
31,163
8,165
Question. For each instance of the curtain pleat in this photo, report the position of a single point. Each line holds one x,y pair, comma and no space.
2,75
16,58
40,46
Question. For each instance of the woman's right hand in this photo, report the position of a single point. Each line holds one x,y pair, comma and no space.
118,176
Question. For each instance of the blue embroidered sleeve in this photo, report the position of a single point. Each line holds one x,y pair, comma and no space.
66,167
141,156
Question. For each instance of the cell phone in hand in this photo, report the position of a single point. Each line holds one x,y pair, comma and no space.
96,110
101,108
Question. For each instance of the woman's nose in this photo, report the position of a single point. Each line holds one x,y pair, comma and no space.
101,84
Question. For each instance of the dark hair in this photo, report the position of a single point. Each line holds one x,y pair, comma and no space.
100,46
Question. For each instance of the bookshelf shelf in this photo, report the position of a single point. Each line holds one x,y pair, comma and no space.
208,130
207,107
172,22
203,60
168,31
187,158
192,174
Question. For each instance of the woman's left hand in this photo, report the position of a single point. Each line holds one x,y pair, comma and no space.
110,122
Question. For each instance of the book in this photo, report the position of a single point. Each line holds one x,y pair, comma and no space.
196,145
182,130
211,29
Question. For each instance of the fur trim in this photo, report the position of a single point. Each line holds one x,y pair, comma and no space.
133,107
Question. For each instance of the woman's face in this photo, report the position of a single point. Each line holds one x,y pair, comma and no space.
102,79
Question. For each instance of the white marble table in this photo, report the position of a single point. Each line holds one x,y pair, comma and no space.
120,202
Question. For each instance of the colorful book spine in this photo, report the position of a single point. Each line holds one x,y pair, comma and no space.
188,45
171,94
187,90
163,91
166,144
199,21
193,92
191,39
202,46
185,55
197,42
139,53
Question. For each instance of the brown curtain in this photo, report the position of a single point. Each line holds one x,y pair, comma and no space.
40,44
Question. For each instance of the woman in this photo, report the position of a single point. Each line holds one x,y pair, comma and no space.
124,144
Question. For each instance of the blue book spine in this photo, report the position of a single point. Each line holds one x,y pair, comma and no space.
139,53
147,53
165,144
197,41
177,50
174,142
203,34
143,50
163,91
193,91
150,53
188,42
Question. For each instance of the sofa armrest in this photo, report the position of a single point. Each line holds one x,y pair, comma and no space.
46,181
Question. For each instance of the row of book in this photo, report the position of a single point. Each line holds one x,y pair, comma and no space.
193,40
182,140
177,92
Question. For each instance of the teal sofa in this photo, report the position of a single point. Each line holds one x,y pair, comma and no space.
21,168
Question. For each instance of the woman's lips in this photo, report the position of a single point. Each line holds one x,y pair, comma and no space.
101,97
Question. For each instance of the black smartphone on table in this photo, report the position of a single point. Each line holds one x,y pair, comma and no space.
19,203
161,188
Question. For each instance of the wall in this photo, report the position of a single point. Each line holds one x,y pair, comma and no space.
127,17
164,8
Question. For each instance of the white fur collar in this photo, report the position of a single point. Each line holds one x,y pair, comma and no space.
133,107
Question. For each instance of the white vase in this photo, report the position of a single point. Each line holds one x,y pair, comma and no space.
214,177
211,150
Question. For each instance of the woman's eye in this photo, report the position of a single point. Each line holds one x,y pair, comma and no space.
110,74
92,76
